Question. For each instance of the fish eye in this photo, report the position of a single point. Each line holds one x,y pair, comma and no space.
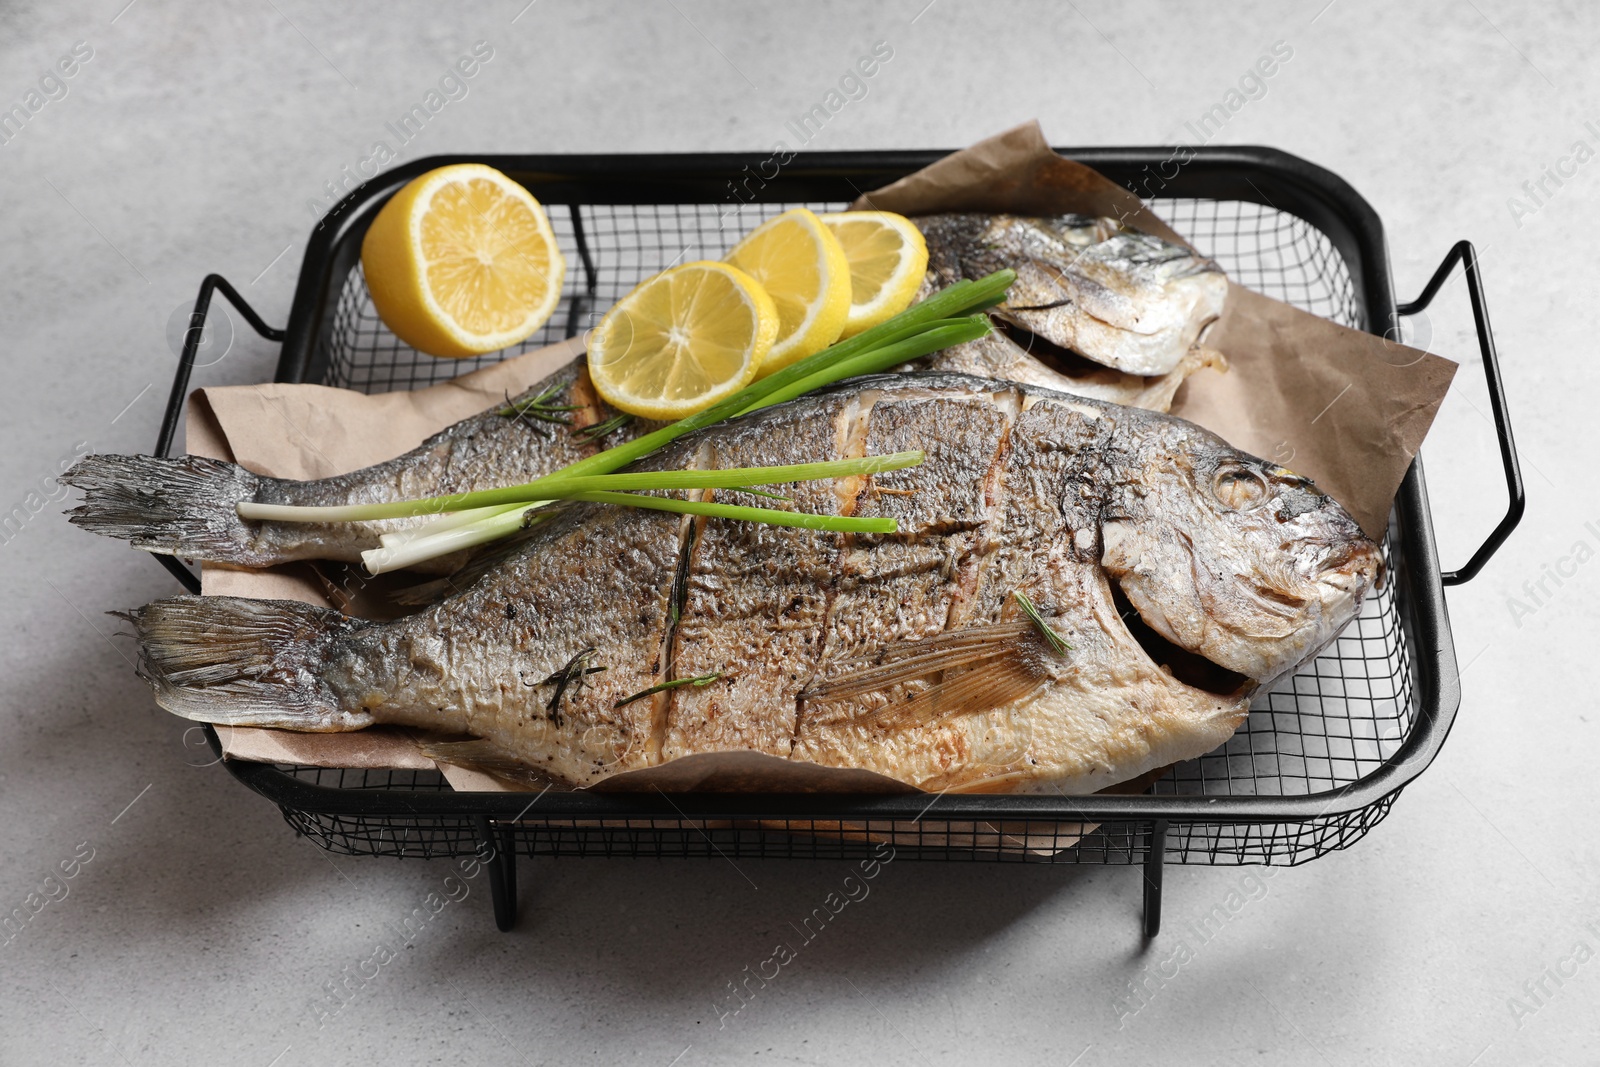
1239,488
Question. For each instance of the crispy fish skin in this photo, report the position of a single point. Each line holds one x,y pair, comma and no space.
906,654
186,506
757,595
1118,297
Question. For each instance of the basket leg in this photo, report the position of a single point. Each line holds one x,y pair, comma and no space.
502,866
508,874
583,301
1153,861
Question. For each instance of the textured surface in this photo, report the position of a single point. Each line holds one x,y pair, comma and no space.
202,929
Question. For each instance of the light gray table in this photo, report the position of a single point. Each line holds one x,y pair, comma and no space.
201,930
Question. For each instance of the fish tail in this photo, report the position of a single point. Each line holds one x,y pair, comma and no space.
244,662
184,507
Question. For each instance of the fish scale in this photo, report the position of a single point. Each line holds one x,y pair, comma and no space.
758,595
903,586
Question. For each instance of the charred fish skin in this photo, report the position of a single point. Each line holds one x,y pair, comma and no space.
1124,299
186,506
540,656
906,654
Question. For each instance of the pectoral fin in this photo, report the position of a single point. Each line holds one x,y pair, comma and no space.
971,671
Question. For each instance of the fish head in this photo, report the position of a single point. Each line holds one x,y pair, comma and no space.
1231,558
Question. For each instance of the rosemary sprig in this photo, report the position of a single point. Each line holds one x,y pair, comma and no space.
572,674
603,429
1053,639
539,409
698,683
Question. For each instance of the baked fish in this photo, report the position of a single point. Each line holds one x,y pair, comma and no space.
1118,297
1078,593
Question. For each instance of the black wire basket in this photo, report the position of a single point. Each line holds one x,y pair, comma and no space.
1324,753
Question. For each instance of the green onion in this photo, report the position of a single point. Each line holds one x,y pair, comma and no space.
804,519
943,335
563,486
449,521
467,529
503,523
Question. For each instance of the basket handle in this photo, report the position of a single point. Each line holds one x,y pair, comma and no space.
1467,256
180,383
191,348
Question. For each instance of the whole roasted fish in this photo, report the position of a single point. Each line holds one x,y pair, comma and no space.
1118,297
1079,593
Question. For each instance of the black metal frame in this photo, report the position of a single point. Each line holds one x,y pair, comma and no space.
1301,188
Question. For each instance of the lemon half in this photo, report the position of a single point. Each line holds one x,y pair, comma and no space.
462,261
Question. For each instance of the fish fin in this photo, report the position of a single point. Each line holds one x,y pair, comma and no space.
244,662
180,506
424,594
906,661
485,757
1002,680
994,666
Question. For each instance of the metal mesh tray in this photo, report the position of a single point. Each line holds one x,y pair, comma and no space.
1317,765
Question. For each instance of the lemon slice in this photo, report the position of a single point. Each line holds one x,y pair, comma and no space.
462,261
888,259
801,266
682,340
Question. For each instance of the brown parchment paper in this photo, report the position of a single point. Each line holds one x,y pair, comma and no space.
1338,405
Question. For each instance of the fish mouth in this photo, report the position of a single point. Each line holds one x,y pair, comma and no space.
1063,361
1353,568
1191,668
